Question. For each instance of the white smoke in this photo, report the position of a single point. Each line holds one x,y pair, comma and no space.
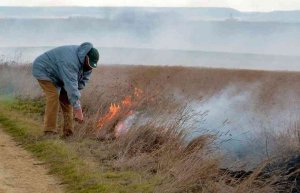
243,125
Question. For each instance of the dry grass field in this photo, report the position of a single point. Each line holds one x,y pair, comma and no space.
155,106
195,83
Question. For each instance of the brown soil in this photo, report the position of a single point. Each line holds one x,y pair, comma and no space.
20,173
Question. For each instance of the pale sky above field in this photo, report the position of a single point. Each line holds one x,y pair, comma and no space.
243,5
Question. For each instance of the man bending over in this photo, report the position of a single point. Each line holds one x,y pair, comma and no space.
62,72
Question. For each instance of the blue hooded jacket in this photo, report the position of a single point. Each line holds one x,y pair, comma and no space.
63,66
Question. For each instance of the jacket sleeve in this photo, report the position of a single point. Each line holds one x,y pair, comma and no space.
69,76
85,78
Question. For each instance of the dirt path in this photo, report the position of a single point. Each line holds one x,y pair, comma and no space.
20,173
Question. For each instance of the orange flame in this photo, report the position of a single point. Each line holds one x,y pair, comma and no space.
115,109
127,101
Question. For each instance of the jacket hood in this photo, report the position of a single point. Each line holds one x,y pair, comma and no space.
83,50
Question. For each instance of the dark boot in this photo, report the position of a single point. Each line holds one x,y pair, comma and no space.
67,133
48,135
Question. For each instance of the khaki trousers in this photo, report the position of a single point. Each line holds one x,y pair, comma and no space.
53,97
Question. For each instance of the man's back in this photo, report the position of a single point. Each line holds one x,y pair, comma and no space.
49,65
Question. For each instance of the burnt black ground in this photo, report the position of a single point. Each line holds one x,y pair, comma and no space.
287,174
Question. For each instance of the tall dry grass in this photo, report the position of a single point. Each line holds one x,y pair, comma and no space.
179,164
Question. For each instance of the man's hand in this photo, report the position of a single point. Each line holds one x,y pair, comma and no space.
78,115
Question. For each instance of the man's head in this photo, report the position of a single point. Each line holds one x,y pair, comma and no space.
91,59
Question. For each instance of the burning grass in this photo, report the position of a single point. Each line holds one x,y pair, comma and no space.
165,159
113,123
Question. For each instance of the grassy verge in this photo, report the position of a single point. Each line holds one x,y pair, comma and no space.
78,174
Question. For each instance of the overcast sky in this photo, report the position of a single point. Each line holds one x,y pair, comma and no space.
243,5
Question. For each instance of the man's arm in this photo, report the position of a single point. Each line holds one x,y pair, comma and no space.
86,77
69,76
